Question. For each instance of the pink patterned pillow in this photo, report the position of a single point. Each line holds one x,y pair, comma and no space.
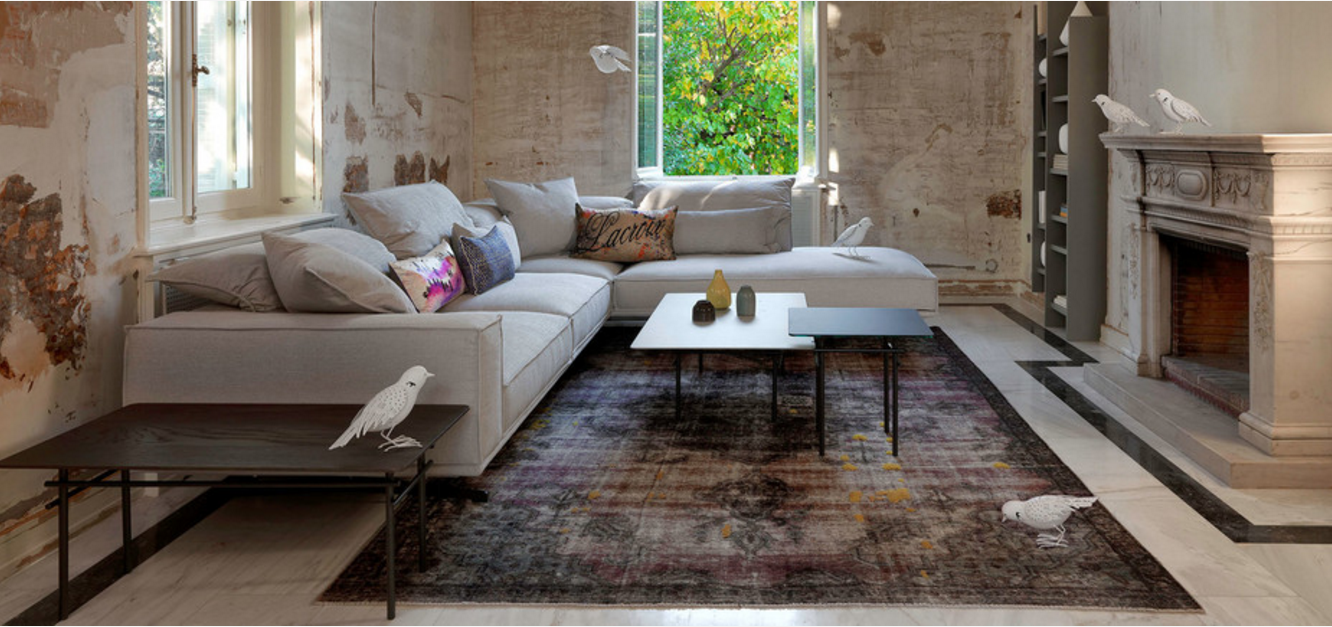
432,279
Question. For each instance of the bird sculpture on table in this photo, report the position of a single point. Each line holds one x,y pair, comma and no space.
387,410
853,236
1047,514
1178,111
610,59
1118,114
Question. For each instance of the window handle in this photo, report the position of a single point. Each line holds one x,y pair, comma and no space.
196,70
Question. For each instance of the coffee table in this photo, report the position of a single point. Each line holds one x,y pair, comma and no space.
671,327
827,323
290,440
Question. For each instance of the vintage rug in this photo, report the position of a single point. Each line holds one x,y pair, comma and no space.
603,498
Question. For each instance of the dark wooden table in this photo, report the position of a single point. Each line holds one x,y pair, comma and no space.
887,325
238,439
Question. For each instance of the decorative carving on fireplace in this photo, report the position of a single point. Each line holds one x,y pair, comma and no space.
1260,293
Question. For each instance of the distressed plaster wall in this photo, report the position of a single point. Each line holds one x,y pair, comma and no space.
1250,67
543,111
928,128
397,96
67,226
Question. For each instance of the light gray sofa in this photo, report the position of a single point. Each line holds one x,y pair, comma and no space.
498,352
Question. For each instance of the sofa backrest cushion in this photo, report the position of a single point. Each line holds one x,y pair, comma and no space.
731,231
747,193
542,213
236,276
324,278
411,220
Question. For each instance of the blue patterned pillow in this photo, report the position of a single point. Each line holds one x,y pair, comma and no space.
485,261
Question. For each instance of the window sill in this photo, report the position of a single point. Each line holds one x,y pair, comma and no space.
802,181
212,233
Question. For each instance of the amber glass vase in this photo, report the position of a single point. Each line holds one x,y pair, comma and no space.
719,293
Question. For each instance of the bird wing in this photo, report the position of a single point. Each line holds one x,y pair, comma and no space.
1187,112
375,416
621,66
618,53
846,235
1123,113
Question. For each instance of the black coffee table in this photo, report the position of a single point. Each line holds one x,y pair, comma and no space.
830,323
239,439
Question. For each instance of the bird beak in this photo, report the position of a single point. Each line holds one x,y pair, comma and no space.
430,375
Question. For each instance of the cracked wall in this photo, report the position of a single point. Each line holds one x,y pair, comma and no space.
67,228
397,96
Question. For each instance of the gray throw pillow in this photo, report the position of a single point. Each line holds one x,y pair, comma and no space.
747,193
236,276
541,213
506,231
410,220
319,278
358,245
729,231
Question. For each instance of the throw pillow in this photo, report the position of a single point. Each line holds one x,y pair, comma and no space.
485,261
430,280
729,231
720,195
506,230
312,277
237,277
410,220
625,235
542,213
354,243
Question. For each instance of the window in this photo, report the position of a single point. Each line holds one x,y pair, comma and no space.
227,135
727,88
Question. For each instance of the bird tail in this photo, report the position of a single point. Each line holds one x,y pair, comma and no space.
1204,121
1081,502
344,438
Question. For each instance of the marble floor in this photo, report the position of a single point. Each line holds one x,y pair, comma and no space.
227,569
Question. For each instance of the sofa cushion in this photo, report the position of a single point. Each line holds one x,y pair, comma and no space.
886,277
565,264
430,280
537,347
411,219
236,276
542,213
730,231
485,261
583,300
625,235
506,231
320,278
747,193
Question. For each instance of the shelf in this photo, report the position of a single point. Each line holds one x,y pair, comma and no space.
1040,39
1040,155
1060,52
1040,271
1040,82
1059,309
1060,219
1040,134
1059,249
1040,226
1063,98
1058,172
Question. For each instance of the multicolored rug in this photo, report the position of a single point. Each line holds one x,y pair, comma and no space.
604,498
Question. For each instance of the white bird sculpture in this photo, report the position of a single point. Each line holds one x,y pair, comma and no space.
1118,114
610,59
1046,513
387,410
1178,111
853,236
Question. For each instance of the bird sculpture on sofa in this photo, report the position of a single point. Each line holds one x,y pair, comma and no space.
387,410
1047,514
853,236
1177,111
610,59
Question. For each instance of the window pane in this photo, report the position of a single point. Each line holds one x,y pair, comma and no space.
809,149
159,121
223,96
730,88
649,45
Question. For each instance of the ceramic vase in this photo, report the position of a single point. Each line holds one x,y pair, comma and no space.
704,312
719,293
746,303
1063,139
1080,10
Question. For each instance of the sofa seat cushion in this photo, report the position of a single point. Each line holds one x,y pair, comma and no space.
886,277
583,300
564,264
537,347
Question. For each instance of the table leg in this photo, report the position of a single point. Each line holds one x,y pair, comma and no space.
775,358
62,515
700,365
678,358
126,524
818,393
420,514
896,393
391,547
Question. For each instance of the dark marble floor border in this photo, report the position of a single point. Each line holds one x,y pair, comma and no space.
1211,507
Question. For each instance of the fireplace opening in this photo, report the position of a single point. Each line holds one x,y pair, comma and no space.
1209,323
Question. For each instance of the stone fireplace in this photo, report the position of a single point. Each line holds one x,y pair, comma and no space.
1229,252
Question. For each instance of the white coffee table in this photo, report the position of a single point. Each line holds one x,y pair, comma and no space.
672,328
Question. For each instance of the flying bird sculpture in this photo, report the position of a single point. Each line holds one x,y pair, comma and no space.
1047,514
1118,114
387,410
610,59
853,236
1178,111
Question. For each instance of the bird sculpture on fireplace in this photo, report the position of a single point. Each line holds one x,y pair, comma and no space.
1119,114
1046,513
853,236
1177,111
387,410
610,59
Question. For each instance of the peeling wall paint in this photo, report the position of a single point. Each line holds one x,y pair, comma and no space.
67,226
543,110
397,96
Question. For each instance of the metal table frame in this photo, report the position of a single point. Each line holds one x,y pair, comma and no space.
890,389
396,492
778,357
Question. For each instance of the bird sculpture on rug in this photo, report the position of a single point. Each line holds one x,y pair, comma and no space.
387,410
1178,111
853,236
1047,514
1119,114
610,59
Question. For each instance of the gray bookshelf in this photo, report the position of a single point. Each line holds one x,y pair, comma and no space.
1075,245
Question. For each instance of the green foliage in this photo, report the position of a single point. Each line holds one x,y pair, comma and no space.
730,88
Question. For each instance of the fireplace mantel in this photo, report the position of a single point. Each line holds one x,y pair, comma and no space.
1269,195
